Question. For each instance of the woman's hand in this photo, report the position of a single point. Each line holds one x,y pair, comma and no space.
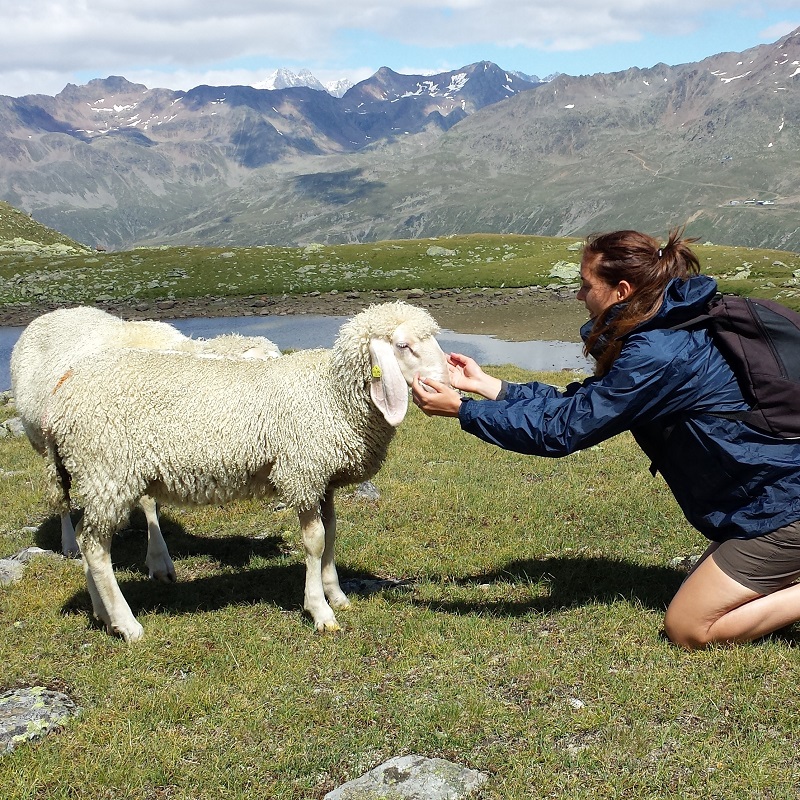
434,398
465,374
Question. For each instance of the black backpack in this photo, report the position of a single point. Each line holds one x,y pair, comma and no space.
760,339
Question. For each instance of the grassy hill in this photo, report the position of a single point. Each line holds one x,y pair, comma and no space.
21,234
503,261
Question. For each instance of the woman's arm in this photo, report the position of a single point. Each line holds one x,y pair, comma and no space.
439,400
645,384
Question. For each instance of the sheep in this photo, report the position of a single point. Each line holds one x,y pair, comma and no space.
233,345
53,342
200,431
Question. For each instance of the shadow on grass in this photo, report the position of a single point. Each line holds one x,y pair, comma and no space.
556,583
229,580
564,583
129,546
280,585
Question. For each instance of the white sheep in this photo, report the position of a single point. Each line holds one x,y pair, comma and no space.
54,342
195,430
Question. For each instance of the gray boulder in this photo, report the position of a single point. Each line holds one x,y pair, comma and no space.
11,568
412,778
367,491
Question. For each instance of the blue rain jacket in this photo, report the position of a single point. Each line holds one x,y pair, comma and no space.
730,480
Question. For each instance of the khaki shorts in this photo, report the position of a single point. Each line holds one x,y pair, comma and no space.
765,563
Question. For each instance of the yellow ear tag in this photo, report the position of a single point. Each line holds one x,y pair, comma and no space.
376,371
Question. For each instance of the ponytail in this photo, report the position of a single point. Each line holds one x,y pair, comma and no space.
648,266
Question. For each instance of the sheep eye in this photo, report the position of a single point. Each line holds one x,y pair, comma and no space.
402,346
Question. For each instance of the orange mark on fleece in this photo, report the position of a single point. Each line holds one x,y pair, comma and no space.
65,377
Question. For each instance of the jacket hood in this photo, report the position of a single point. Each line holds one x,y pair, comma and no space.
683,300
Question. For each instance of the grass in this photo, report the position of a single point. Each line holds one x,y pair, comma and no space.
523,640
484,260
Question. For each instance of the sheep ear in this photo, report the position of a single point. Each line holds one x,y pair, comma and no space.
388,387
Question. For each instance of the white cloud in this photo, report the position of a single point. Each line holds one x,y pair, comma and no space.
778,30
46,43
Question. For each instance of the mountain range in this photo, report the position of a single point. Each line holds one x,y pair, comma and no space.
712,145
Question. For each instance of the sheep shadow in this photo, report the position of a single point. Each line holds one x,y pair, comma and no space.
280,586
233,582
571,582
129,545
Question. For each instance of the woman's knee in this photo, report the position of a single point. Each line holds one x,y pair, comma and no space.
683,634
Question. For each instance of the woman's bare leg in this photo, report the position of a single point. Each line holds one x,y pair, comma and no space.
711,607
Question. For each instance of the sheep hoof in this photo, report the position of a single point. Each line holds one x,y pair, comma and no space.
130,633
160,568
339,601
163,575
329,626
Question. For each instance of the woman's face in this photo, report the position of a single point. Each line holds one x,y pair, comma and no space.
596,294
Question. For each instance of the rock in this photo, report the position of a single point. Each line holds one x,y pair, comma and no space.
11,568
367,491
435,250
27,714
566,271
29,553
412,778
684,563
10,571
12,428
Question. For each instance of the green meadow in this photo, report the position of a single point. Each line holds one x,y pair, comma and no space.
494,261
518,632
507,610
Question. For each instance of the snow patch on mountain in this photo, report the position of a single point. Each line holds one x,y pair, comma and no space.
286,79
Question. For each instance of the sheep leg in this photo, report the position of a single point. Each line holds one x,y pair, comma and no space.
69,544
108,604
59,499
330,577
159,563
313,531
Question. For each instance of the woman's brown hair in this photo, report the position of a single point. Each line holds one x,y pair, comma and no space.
648,267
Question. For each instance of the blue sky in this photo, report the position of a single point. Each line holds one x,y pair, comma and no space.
178,44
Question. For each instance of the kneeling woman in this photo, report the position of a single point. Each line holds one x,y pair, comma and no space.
738,486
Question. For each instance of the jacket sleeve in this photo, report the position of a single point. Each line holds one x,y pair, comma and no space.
526,391
647,382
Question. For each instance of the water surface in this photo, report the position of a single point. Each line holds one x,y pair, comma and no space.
298,332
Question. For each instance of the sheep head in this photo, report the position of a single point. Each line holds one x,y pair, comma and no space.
395,342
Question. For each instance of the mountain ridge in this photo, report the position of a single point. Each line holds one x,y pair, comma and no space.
475,149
